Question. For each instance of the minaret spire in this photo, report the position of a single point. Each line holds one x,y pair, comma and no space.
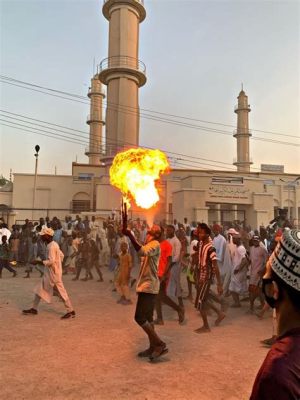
95,121
123,73
242,133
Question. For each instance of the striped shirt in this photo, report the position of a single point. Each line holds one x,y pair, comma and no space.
207,254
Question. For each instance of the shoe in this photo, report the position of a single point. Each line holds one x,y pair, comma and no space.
203,329
75,279
14,274
159,351
84,279
146,353
181,316
31,311
220,319
158,322
269,342
70,314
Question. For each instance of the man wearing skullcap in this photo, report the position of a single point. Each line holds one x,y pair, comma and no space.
279,375
52,277
219,243
238,283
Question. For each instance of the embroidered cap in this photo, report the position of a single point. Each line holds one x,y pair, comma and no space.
47,231
285,260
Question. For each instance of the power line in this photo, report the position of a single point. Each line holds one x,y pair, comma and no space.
41,134
86,133
49,94
109,141
82,143
143,109
185,163
82,139
203,129
53,136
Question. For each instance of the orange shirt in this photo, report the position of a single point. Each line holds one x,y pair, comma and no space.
165,253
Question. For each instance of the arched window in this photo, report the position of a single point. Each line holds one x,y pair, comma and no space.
81,202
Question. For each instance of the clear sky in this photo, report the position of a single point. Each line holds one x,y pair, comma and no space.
197,54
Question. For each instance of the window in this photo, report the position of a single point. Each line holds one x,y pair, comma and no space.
85,176
80,205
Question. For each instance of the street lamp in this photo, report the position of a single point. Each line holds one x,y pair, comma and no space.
36,155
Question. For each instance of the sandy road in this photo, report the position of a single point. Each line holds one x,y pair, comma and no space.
94,355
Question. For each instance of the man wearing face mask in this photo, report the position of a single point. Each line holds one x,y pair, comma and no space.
279,375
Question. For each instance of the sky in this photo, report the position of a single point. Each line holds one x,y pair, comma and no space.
197,54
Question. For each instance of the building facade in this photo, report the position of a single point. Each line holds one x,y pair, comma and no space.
200,195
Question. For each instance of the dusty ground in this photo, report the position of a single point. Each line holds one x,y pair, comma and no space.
94,355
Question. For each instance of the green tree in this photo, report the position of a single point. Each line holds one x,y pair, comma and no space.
3,180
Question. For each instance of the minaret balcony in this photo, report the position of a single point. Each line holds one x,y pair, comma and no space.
92,92
241,133
138,4
236,161
242,107
92,151
94,118
118,65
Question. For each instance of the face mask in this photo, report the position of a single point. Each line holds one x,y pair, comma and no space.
268,291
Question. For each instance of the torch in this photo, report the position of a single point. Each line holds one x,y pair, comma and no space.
124,214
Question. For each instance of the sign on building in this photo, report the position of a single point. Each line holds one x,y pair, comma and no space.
272,168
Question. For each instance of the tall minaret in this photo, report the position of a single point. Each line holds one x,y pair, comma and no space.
96,122
242,133
123,73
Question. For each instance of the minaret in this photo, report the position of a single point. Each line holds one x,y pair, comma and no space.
123,73
242,133
96,122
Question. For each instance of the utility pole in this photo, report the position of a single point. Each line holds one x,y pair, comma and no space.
36,155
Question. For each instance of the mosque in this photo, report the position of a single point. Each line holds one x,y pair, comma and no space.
199,195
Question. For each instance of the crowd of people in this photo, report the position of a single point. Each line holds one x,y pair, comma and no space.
244,264
234,256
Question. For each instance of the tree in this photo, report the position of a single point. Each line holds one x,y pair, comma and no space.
3,181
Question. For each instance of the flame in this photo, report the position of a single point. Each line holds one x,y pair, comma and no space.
136,172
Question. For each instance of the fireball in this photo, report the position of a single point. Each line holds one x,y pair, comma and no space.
135,172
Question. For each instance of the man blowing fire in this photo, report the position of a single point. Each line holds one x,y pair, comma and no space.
147,289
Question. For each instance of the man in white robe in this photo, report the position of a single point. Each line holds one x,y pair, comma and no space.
238,284
52,277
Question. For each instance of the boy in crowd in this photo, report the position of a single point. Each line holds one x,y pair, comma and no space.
5,256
